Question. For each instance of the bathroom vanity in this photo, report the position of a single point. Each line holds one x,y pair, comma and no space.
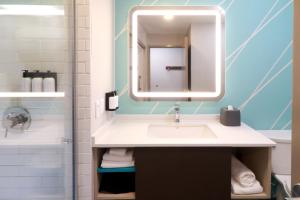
178,53
186,160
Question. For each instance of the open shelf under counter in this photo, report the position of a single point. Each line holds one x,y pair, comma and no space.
251,196
107,196
258,160
32,94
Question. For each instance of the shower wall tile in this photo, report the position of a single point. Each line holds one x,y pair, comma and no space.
28,171
83,150
36,43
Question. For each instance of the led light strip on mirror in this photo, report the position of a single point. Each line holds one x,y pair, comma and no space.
213,11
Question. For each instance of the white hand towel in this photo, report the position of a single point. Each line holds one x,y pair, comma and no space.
111,164
126,158
241,173
118,151
236,188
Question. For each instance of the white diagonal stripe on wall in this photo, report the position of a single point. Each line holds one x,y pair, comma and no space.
281,114
198,108
229,6
124,90
222,2
259,25
273,66
142,2
123,30
269,71
153,108
154,2
187,2
170,110
286,125
259,30
243,105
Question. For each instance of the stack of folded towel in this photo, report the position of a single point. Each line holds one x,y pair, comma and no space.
243,180
117,158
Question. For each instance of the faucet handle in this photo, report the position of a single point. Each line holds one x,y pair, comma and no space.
176,107
16,119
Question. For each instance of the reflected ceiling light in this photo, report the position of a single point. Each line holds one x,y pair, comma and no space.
32,10
168,17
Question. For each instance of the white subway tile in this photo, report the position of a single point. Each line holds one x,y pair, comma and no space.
83,79
83,33
82,56
84,180
84,169
84,147
80,45
80,67
84,158
82,10
81,22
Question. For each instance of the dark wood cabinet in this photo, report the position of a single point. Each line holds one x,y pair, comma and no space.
183,173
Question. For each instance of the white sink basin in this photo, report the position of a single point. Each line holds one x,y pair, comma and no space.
181,131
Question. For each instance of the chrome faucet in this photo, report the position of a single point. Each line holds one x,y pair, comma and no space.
177,113
16,119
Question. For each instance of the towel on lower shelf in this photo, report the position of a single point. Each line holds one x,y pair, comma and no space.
111,157
118,151
239,189
112,164
241,174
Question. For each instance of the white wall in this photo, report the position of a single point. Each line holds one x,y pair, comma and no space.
102,56
203,57
163,80
161,40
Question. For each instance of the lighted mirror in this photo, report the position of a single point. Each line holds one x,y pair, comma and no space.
177,52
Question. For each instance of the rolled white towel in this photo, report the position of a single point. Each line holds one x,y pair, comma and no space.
118,151
112,164
237,188
126,158
241,174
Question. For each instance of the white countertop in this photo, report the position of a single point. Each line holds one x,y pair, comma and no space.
132,131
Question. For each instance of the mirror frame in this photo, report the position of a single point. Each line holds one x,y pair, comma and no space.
177,10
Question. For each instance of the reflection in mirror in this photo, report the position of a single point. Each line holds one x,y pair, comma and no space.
181,53
177,53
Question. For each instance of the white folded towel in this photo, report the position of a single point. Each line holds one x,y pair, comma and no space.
126,158
241,174
118,151
112,164
237,188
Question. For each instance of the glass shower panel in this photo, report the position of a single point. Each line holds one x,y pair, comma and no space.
36,163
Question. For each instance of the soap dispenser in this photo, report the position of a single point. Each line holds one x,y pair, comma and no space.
26,81
37,82
49,82
111,101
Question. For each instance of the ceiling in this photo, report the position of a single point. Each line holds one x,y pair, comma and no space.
177,25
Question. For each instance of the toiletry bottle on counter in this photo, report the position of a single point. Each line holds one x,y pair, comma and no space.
49,82
37,82
26,81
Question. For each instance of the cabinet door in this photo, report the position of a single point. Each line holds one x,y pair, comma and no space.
183,173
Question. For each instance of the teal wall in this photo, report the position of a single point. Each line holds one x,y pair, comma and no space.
258,62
